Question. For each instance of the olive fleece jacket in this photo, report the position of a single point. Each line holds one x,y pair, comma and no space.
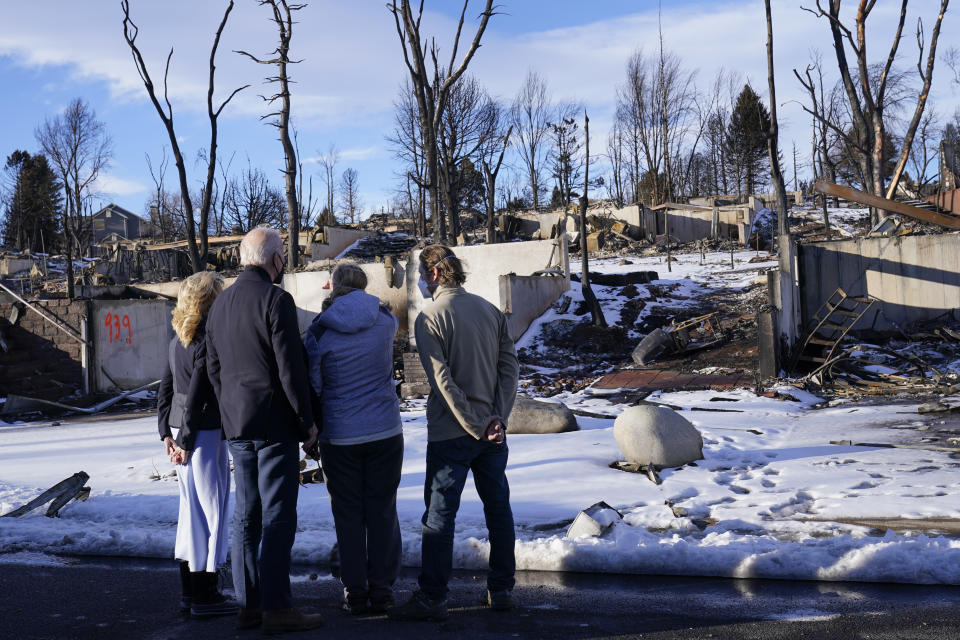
470,361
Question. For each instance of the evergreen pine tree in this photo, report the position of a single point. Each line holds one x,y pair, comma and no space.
34,203
746,141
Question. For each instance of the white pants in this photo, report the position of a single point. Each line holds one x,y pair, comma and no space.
203,528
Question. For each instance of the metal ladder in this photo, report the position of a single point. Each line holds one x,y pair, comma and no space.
834,319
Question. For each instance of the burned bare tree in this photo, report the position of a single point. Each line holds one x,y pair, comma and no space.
79,147
159,214
596,312
407,143
565,159
773,136
465,127
282,16
653,109
530,116
328,163
350,195
251,201
432,92
823,105
866,90
616,186
198,255
491,159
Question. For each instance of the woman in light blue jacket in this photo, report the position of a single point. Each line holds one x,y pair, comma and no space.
350,351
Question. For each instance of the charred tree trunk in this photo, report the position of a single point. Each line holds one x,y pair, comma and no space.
783,226
198,256
283,18
432,93
593,304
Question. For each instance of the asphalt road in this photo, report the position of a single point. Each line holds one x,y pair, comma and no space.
110,598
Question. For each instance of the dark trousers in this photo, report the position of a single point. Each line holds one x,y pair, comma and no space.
362,480
266,475
448,462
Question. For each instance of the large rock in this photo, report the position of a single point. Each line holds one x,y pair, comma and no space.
534,416
658,436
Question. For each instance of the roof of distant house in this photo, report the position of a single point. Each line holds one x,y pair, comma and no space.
117,209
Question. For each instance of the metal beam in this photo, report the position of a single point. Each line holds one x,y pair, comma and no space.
849,193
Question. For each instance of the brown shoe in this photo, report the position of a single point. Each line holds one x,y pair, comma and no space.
249,619
283,620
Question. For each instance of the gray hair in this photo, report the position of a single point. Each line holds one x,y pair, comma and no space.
259,246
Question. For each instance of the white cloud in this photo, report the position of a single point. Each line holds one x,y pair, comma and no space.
352,65
110,184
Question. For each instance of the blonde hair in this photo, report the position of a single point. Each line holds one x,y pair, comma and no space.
196,295
346,278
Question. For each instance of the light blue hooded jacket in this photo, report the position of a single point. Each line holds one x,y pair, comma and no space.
350,353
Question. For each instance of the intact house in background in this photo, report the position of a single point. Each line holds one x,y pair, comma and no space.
113,222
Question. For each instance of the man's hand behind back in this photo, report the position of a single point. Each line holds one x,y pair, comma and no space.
495,431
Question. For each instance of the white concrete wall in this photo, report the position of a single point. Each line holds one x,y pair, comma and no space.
129,341
10,266
632,215
337,239
485,263
688,226
523,299
307,290
914,278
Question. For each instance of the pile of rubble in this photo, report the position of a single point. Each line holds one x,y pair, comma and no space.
926,361
382,244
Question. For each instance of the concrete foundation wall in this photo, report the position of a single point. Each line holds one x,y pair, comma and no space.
9,266
485,263
689,226
337,240
523,299
307,290
914,278
129,342
570,224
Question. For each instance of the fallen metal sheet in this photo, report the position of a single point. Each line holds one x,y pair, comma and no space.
22,404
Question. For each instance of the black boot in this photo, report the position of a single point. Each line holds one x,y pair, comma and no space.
186,587
208,602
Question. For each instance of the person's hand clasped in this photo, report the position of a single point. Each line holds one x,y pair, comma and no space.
309,445
169,446
180,456
495,431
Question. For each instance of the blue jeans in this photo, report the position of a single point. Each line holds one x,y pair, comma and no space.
448,462
266,475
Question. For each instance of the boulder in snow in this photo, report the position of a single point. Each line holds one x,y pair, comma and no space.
535,416
659,436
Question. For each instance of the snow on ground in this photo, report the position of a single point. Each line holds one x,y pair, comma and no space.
687,279
848,221
773,495
770,483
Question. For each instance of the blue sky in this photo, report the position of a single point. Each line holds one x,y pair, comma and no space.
53,51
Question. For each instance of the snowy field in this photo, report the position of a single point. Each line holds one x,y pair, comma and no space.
770,488
772,494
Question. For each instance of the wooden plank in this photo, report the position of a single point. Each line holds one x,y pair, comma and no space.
679,206
947,221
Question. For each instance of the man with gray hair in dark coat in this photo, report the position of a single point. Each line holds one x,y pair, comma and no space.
257,366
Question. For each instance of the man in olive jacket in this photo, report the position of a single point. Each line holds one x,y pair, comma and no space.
258,369
472,367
